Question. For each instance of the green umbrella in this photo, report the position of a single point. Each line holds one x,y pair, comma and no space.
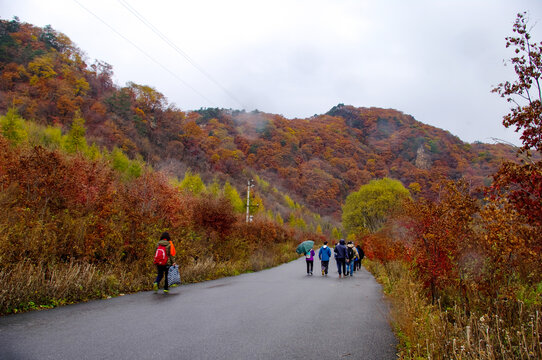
304,247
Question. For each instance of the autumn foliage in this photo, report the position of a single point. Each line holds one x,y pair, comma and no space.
480,249
478,260
470,229
65,211
320,160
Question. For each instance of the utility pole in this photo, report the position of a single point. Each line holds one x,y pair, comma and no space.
250,184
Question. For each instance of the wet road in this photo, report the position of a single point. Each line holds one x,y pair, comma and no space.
280,313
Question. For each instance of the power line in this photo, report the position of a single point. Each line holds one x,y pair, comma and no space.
177,49
144,53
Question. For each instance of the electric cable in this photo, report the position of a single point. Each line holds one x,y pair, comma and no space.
147,55
178,50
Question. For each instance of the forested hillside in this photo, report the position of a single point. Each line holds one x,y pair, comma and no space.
83,207
464,272
48,80
92,172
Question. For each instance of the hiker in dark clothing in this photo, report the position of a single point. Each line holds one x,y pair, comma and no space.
163,264
351,257
361,256
340,257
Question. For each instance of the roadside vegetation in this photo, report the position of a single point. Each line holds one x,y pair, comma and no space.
464,271
81,223
91,173
503,329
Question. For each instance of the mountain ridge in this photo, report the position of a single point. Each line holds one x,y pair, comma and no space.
320,159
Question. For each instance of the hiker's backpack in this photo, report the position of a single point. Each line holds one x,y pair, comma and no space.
350,253
160,257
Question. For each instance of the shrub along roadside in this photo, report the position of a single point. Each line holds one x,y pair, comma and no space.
427,331
74,229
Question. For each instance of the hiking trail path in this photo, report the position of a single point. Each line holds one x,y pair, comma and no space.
279,313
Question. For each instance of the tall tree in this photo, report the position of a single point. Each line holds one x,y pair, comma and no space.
192,183
12,126
521,184
366,210
76,141
525,93
233,196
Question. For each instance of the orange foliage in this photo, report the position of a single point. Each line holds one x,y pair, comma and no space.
86,212
321,159
382,248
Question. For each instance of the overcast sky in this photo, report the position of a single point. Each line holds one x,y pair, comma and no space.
436,60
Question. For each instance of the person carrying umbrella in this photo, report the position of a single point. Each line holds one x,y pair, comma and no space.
306,248
309,257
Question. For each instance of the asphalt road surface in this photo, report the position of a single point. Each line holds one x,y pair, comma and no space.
280,313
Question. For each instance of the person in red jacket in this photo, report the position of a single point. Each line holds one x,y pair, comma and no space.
163,259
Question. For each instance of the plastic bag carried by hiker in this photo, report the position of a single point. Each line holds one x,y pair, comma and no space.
174,277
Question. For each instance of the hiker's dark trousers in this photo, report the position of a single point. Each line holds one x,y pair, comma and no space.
325,265
310,264
162,272
341,265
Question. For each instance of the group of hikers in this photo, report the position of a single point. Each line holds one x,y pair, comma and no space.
347,256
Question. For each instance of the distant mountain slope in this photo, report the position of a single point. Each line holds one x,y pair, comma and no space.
326,157
320,159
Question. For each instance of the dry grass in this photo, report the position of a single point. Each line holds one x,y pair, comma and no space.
208,269
28,286
425,331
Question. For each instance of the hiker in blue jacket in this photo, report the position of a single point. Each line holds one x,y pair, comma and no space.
324,254
340,257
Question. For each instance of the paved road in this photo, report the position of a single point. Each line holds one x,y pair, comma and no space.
278,313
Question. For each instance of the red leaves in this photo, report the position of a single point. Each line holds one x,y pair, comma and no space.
211,214
380,247
521,184
459,242
526,91
489,247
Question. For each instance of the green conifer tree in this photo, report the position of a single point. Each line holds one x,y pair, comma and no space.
193,183
75,139
233,196
12,127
